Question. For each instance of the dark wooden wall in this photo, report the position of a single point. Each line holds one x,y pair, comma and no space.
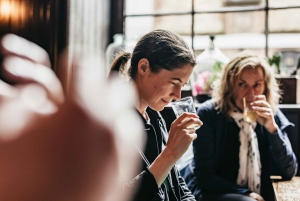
86,26
288,86
116,18
42,21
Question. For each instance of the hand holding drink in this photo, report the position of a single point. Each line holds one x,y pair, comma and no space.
258,109
182,130
185,105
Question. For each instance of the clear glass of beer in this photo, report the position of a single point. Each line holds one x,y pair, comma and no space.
249,114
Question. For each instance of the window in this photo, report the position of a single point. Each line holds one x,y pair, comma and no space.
263,26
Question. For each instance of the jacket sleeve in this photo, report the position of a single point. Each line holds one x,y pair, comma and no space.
281,150
185,192
143,186
205,155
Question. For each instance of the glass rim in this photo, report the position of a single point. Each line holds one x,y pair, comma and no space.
183,99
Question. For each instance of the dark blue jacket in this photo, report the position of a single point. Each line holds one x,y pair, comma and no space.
144,184
277,156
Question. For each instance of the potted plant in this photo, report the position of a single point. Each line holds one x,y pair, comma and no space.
202,87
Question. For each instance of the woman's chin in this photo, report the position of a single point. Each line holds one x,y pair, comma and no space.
158,107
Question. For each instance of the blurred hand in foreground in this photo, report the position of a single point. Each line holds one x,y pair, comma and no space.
53,147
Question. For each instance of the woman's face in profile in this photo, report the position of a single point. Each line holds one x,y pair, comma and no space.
163,87
250,82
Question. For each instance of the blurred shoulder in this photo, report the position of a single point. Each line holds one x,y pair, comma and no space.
208,105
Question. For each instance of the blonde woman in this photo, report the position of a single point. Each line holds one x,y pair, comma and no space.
233,159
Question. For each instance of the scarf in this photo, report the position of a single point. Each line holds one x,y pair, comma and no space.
249,157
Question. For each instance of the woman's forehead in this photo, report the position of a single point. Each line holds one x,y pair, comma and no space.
251,72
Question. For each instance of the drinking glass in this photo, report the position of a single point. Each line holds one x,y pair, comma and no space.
185,105
249,114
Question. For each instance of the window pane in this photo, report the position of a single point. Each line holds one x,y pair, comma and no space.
139,7
209,24
231,44
284,2
283,42
284,30
172,6
139,26
229,23
157,6
285,21
217,4
233,32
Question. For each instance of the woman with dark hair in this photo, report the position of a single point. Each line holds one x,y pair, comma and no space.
161,63
234,157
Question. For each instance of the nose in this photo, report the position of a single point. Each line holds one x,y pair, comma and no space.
177,94
251,91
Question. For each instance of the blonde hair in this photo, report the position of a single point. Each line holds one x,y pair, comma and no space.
223,93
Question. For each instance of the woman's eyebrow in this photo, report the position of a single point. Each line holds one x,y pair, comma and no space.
255,80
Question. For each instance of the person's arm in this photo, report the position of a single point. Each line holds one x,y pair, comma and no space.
143,186
186,193
205,155
178,141
276,126
280,148
180,138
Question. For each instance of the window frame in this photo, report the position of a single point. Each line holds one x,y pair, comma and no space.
266,8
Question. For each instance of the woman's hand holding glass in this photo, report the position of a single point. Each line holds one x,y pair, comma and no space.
265,113
185,104
180,136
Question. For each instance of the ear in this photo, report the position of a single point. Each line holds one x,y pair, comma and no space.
144,67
